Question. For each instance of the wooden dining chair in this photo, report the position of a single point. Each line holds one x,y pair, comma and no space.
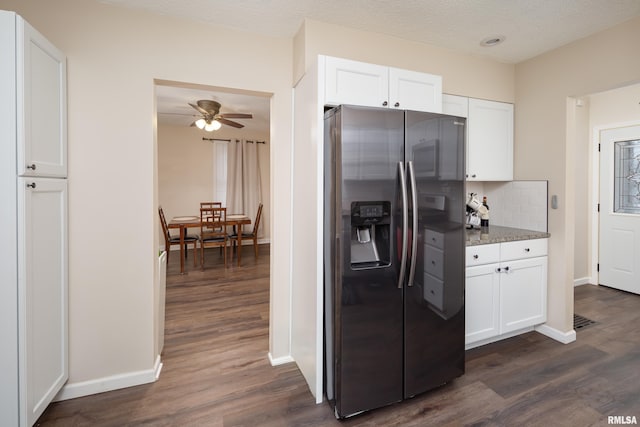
210,204
175,240
253,235
213,231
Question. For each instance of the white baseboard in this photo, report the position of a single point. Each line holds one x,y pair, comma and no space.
563,337
280,360
114,382
157,367
582,281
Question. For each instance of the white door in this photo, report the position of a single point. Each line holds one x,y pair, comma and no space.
619,256
411,90
489,141
42,293
356,83
482,302
41,105
523,293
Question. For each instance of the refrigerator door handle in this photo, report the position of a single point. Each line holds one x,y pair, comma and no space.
405,225
414,225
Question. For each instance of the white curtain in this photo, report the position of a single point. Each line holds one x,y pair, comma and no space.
244,190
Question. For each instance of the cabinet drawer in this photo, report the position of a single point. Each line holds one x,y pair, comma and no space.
434,238
482,254
434,261
523,249
433,291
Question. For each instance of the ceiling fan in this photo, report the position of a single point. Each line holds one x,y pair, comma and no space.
212,119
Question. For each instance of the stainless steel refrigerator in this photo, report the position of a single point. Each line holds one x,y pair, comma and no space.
393,255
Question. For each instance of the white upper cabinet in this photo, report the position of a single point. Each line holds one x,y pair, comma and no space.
41,104
359,83
455,105
489,141
410,90
355,83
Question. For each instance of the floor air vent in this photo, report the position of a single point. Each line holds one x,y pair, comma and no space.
580,322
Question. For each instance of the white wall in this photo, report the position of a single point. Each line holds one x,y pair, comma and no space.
114,56
546,134
462,74
186,168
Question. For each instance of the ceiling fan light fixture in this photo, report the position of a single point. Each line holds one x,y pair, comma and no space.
212,125
201,123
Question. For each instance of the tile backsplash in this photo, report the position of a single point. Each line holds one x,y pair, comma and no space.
519,204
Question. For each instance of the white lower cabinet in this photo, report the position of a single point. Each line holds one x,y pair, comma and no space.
506,290
482,303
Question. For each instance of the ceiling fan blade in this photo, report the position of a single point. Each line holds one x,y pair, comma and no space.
229,123
200,109
236,116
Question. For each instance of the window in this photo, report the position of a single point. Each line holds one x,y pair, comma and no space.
626,180
220,171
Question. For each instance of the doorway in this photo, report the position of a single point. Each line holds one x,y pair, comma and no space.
605,111
188,158
619,219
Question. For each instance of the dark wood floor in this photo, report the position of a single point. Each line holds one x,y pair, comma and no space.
216,371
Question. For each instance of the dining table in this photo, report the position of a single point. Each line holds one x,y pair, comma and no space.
184,222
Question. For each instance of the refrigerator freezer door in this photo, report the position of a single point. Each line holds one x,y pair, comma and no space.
434,304
365,301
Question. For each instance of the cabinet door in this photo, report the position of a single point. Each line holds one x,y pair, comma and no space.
490,141
42,292
482,299
455,105
523,293
355,83
411,90
41,105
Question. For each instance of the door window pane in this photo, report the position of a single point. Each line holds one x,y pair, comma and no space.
626,197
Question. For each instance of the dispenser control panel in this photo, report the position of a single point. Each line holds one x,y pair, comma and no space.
370,212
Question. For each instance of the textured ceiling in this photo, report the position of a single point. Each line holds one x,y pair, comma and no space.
531,27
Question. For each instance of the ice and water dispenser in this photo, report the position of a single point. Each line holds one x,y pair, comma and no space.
370,234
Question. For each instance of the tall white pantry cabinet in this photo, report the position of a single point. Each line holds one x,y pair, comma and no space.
33,222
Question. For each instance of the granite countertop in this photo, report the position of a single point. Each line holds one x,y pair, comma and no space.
499,234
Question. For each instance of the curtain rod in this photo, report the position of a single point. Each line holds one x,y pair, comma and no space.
228,140
215,139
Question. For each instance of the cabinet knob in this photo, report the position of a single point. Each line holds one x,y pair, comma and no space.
32,185
506,269
475,256
397,104
473,176
527,250
385,103
31,166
